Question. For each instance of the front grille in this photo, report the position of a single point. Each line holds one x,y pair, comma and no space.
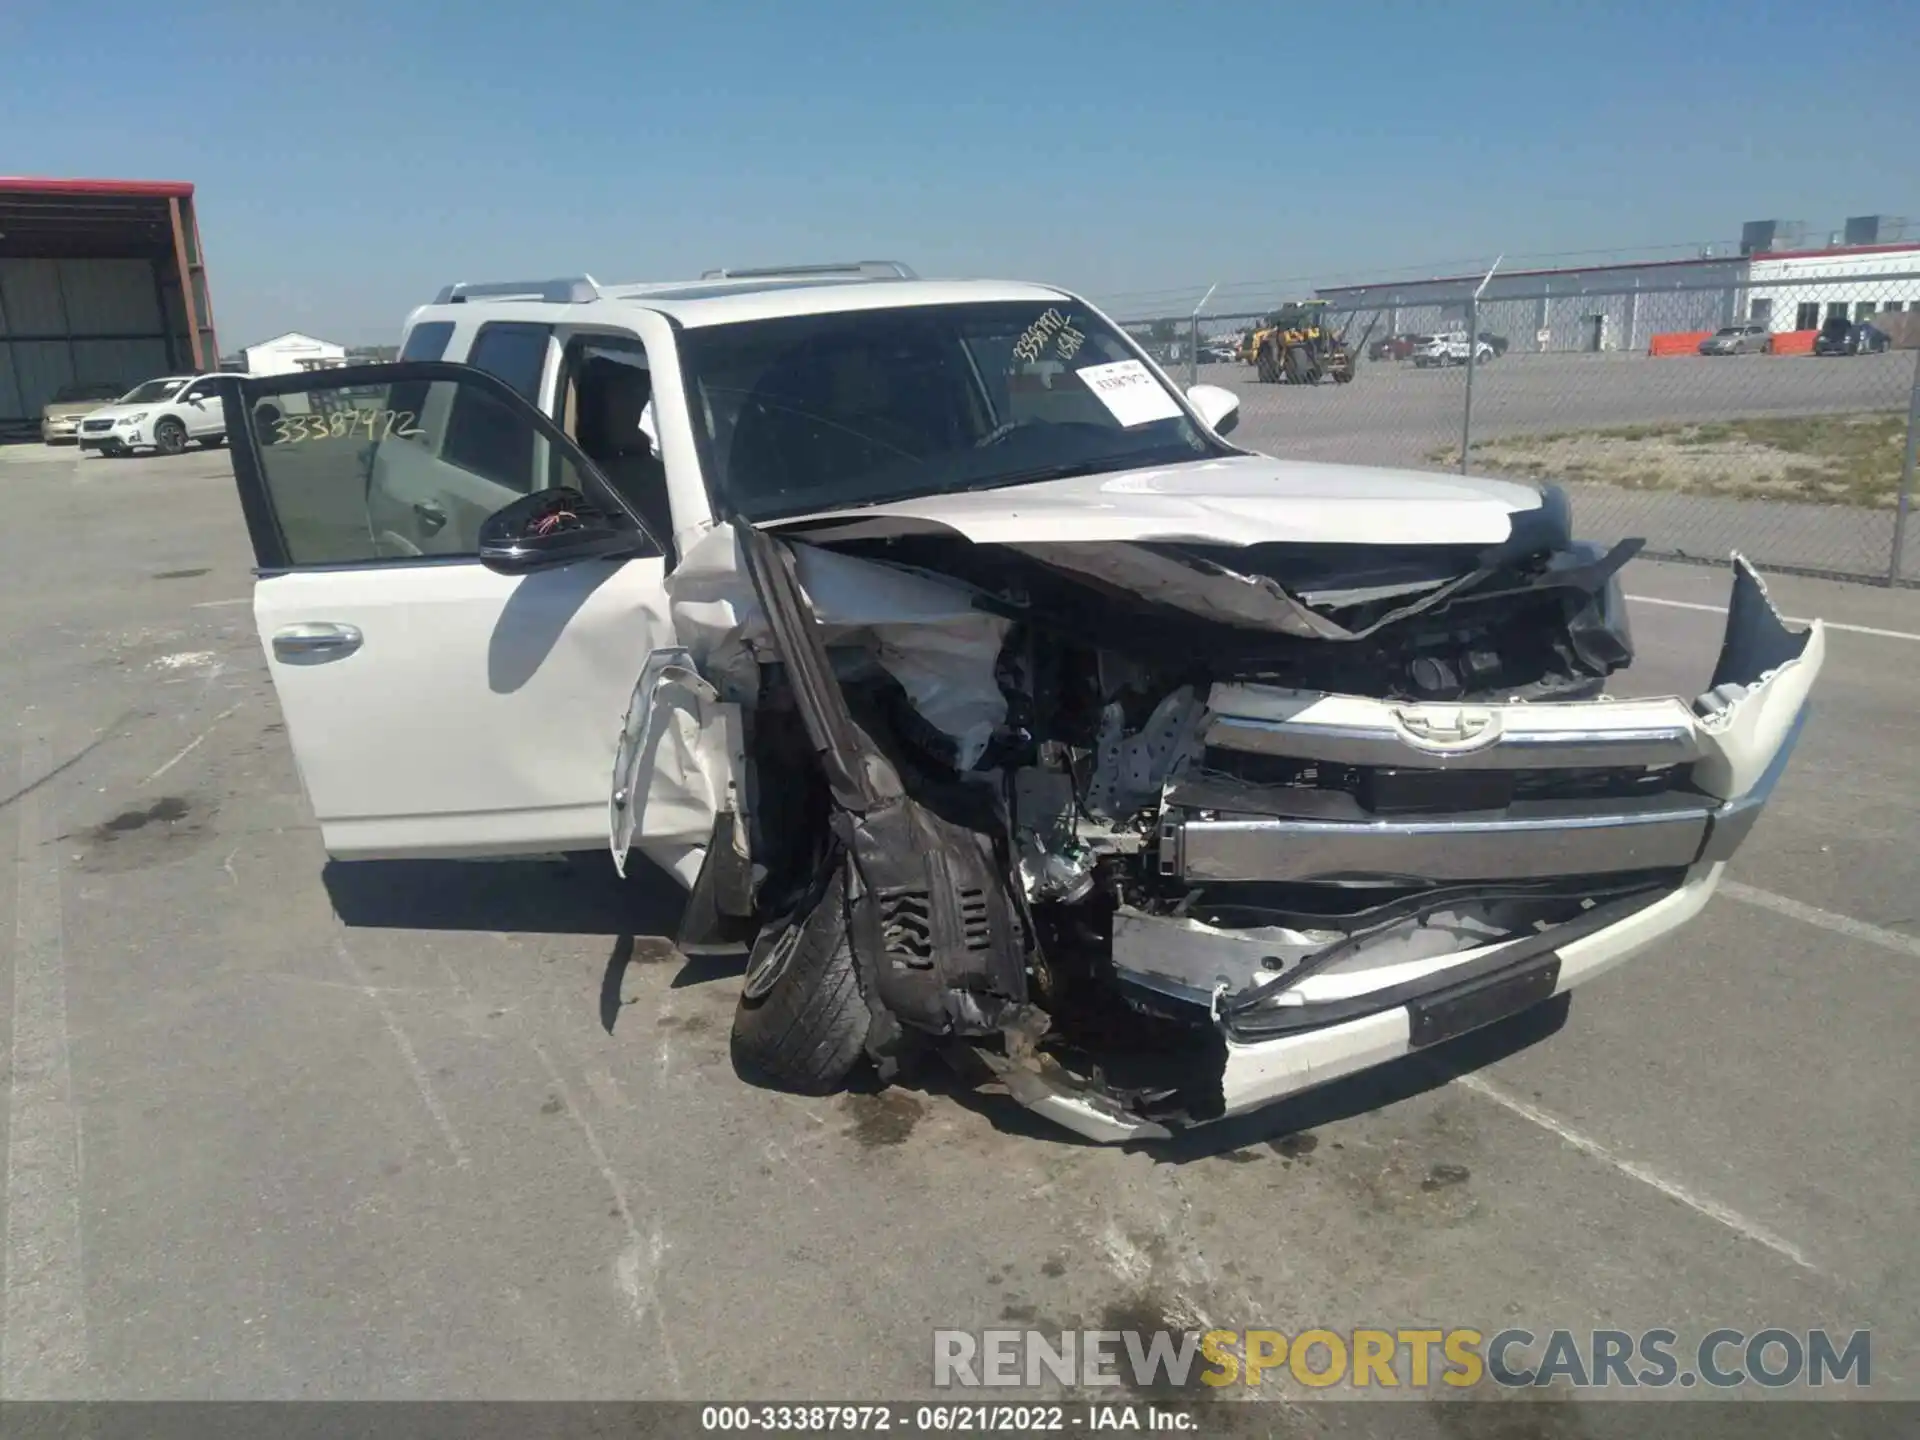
1387,790
95,427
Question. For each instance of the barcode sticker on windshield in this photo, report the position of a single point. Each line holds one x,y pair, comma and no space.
1129,390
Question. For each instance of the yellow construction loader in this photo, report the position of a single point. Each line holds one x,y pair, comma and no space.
1296,347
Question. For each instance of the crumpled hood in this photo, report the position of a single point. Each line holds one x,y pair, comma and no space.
1239,500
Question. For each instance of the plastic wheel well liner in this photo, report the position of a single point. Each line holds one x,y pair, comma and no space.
939,938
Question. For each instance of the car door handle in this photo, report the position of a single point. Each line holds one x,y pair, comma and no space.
431,516
315,641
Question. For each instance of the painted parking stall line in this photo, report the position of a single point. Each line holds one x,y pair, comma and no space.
1790,619
43,1346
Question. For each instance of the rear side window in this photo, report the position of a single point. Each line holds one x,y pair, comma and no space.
480,436
427,341
517,353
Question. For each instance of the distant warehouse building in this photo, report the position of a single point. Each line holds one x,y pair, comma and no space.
1772,279
102,283
291,353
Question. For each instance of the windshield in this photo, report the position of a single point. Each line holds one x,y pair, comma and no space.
815,412
150,391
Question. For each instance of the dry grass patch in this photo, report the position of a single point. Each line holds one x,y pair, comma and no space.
1824,459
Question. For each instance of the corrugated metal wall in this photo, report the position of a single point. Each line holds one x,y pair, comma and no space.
67,321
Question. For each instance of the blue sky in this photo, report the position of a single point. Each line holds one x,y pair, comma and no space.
352,157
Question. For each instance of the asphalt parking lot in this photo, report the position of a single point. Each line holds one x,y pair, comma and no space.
422,1131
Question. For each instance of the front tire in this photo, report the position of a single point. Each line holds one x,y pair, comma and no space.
169,437
801,1023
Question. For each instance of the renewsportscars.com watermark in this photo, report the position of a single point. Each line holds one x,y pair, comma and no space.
1380,1359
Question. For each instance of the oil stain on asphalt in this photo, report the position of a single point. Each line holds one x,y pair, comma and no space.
884,1119
134,839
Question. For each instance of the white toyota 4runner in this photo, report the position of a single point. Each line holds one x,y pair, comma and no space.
979,687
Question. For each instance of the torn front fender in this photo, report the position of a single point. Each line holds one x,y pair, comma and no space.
677,770
939,939
924,630
1751,715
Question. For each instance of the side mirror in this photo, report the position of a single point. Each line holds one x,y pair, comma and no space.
1217,405
552,527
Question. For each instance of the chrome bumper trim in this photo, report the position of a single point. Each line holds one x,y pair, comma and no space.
1264,848
1515,741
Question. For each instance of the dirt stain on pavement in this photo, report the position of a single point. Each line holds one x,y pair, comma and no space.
884,1119
182,574
1295,1147
134,839
1440,1176
1143,1312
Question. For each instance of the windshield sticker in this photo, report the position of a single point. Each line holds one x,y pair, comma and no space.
1130,392
1050,329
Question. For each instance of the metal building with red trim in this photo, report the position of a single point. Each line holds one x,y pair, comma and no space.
101,282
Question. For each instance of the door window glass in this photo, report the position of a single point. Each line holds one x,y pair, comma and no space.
609,409
374,473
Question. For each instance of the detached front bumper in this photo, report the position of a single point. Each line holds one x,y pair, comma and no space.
1647,859
1477,988
1735,741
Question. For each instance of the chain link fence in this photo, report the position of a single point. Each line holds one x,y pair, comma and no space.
1777,418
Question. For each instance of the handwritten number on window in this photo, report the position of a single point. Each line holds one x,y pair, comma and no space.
346,424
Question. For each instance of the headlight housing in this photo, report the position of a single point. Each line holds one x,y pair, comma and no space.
133,419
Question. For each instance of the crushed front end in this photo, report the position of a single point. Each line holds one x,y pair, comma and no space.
1149,839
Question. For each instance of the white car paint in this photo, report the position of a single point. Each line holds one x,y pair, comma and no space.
478,713
1241,500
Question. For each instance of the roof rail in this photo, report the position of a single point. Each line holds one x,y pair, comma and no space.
566,290
861,269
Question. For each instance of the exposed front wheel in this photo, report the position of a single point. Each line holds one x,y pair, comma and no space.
169,437
802,1022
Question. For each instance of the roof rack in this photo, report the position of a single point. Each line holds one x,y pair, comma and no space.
566,290
861,269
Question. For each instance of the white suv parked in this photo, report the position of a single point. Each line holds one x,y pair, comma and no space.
160,415
1451,349
979,686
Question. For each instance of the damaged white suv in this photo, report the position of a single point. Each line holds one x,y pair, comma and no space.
984,692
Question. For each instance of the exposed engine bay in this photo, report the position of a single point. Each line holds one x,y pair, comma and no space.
1093,818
